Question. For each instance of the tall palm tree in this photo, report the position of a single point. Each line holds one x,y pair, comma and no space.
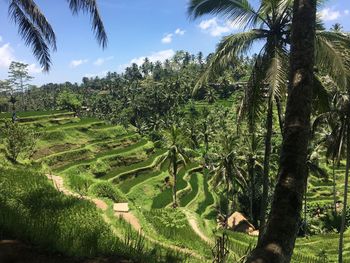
271,23
36,31
227,170
313,168
175,155
346,187
334,140
277,242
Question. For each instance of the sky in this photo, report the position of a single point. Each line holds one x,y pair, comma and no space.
136,29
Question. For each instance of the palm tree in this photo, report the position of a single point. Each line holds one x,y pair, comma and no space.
175,155
346,187
227,170
312,167
36,31
277,242
334,140
271,22
253,145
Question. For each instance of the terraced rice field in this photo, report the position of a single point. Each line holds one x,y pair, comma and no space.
86,152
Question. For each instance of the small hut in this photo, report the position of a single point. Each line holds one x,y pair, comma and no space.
237,222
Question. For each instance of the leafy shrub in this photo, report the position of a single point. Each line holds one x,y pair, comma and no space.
80,183
106,190
100,168
54,136
19,140
332,221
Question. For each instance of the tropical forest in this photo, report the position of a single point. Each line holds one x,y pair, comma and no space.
232,146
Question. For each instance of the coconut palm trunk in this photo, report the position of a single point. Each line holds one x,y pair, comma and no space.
346,187
277,242
265,193
251,163
334,187
174,168
279,112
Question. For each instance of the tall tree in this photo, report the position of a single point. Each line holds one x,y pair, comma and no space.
36,31
277,242
175,155
227,170
346,186
269,23
19,77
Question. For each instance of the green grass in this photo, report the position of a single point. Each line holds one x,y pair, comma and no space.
172,224
194,190
165,197
112,154
208,197
83,124
125,172
31,114
33,210
127,185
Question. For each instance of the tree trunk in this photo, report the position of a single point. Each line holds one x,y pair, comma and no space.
251,164
277,242
346,187
334,187
279,112
305,202
265,193
174,164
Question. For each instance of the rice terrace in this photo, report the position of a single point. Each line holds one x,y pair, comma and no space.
237,150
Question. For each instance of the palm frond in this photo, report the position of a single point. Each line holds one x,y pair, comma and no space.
330,57
239,12
321,103
30,8
254,94
277,73
227,52
90,6
31,35
275,10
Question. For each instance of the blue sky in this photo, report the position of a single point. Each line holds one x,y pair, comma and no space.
136,28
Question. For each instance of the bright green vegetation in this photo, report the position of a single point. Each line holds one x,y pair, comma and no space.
117,165
194,190
32,210
173,225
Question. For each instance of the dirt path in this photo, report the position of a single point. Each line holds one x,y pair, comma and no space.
128,217
193,223
131,219
58,183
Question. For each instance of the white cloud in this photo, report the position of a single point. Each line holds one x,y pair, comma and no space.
34,69
180,32
0,38
99,74
6,55
167,39
101,61
216,28
346,11
155,56
77,63
328,14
